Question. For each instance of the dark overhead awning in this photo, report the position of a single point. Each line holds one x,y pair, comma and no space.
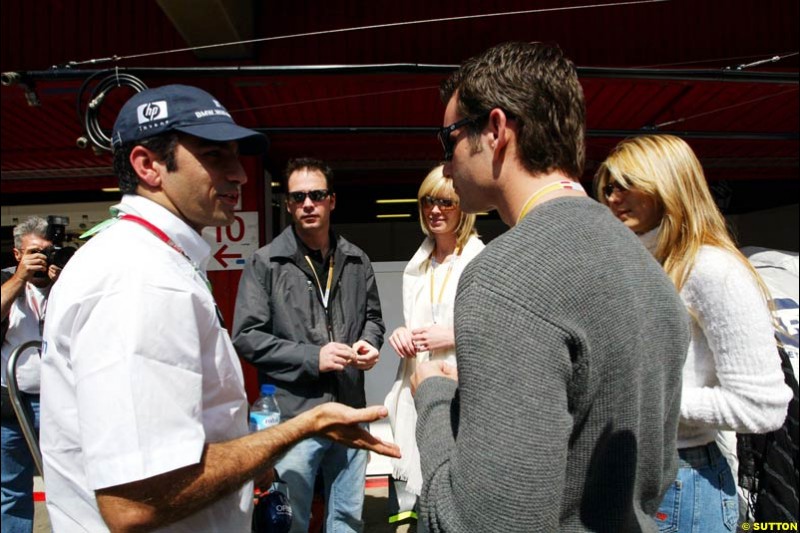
389,113
367,99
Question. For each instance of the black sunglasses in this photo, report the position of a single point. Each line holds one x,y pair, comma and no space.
609,189
445,133
445,204
316,195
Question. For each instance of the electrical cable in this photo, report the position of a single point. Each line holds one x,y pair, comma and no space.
782,55
99,138
717,110
363,28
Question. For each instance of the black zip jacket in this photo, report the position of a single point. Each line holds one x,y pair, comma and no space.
280,323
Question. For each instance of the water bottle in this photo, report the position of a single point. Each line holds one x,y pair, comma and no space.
265,412
272,512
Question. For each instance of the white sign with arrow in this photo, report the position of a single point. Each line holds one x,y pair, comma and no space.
232,245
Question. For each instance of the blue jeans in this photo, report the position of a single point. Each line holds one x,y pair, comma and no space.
343,472
18,469
703,498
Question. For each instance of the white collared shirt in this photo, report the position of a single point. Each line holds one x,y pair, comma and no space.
23,326
138,373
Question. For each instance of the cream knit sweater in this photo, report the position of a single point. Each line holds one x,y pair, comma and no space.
732,378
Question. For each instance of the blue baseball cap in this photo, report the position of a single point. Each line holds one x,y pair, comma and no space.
185,109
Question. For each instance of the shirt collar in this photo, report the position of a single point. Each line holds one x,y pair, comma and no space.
303,249
184,236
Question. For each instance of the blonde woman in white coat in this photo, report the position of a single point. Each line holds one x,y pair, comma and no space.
429,289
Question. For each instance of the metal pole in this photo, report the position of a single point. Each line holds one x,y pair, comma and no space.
27,425
26,77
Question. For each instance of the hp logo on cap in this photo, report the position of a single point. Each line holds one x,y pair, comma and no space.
152,111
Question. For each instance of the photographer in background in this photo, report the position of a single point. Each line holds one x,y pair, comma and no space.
24,300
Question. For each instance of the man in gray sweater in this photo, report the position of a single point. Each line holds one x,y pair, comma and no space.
570,339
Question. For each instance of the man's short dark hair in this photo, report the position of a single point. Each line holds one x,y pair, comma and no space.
537,86
310,163
162,145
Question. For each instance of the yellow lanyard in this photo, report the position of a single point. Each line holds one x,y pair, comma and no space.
323,295
446,276
563,184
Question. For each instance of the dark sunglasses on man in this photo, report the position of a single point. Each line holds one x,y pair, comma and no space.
317,195
444,133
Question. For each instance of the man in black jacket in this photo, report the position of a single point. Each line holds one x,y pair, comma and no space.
308,317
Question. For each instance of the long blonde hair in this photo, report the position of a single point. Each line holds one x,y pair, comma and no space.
436,185
665,168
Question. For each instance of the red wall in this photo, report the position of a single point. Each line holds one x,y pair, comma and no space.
226,282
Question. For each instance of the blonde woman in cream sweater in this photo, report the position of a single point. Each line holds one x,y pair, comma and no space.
429,289
732,379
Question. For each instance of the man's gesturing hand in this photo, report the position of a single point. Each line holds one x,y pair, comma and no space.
430,369
340,423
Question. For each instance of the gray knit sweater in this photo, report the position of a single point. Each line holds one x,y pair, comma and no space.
570,342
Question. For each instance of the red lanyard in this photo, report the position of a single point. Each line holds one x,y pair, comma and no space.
158,232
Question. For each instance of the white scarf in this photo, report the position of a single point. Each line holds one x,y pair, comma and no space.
417,313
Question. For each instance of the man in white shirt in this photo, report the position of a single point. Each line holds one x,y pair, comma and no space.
145,419
24,299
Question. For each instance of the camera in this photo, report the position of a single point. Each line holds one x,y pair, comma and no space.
57,254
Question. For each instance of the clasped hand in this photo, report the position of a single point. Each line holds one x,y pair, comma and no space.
335,356
408,342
